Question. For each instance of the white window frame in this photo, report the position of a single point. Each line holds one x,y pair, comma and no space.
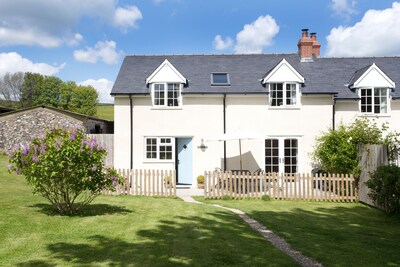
281,157
160,142
285,96
166,97
372,104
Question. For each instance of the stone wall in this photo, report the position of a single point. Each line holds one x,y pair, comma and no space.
19,127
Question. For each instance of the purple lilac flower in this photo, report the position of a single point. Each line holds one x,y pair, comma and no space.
17,171
72,136
35,159
94,168
42,149
25,150
84,143
15,148
9,166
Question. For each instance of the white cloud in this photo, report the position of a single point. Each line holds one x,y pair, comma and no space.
127,17
102,51
256,35
103,86
53,23
13,62
344,8
220,44
377,34
253,38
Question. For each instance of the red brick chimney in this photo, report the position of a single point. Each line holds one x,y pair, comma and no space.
305,46
316,47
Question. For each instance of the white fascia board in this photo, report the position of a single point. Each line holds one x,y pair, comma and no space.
284,69
176,77
361,81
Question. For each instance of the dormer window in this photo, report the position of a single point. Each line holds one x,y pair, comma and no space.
373,87
166,94
283,94
165,85
374,100
221,79
284,83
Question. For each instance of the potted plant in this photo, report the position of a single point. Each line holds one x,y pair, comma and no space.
200,181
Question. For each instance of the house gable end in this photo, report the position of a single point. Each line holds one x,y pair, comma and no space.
373,76
283,72
166,72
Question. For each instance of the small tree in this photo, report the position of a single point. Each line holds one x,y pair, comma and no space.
66,167
385,188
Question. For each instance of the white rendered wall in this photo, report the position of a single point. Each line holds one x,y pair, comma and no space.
201,117
121,132
348,111
304,123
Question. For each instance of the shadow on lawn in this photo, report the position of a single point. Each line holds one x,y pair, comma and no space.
339,236
35,263
221,239
89,210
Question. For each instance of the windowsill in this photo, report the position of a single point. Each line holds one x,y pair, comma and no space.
158,161
166,108
370,115
297,107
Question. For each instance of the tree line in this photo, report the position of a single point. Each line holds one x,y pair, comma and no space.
22,90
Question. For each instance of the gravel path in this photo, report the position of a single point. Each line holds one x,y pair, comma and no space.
277,241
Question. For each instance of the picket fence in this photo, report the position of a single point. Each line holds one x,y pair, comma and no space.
146,183
312,187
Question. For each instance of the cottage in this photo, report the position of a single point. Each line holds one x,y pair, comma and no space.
17,127
168,108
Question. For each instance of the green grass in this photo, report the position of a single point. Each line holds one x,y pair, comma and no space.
336,234
124,231
105,111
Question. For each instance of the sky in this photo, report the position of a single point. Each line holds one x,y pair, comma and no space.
86,40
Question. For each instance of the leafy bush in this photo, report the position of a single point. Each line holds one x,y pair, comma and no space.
336,151
200,179
385,188
66,167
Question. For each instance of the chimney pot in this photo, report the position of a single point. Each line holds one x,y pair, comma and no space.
304,32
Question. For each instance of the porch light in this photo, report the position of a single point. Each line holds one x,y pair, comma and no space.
202,146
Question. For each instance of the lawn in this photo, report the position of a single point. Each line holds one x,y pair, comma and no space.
105,111
336,234
124,231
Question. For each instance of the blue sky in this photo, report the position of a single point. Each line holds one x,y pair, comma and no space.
86,40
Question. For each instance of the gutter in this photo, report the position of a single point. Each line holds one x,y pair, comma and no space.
224,124
131,125
333,113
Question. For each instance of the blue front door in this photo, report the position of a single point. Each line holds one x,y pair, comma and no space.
184,161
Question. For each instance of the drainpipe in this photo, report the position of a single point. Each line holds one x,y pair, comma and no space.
131,125
333,113
224,113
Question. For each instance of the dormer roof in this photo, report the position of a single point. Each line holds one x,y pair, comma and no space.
166,72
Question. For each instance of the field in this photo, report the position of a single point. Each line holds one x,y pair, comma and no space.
105,111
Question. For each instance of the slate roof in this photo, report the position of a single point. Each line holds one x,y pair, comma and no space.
323,76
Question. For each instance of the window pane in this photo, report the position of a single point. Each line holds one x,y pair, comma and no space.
173,94
291,94
159,95
276,94
271,155
151,148
220,78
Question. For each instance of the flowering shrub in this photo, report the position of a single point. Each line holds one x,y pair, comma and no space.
66,167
